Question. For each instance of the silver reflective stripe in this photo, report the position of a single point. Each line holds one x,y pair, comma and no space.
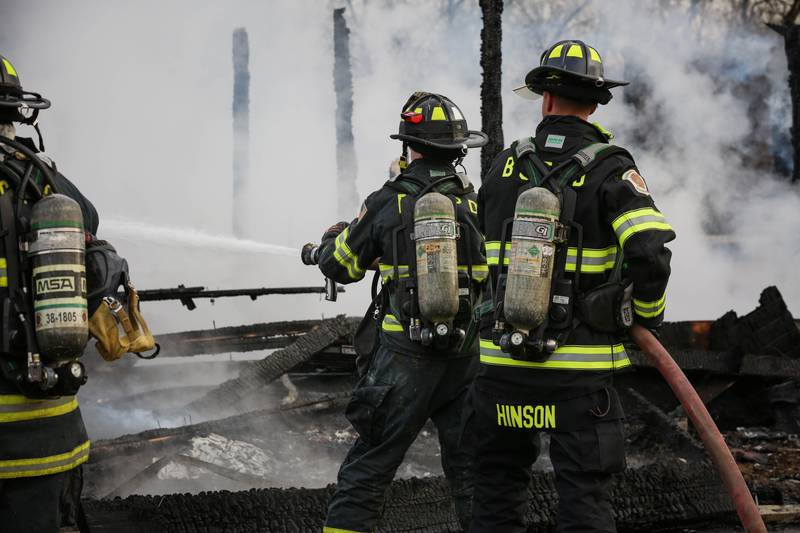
41,466
493,252
593,261
479,272
630,223
638,220
387,271
34,405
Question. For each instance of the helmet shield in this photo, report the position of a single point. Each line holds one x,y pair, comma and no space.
434,120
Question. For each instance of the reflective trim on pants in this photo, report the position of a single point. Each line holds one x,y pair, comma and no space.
16,408
42,466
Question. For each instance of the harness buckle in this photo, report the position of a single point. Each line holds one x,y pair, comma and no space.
113,304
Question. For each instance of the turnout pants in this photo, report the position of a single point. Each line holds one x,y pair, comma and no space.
390,406
586,447
31,504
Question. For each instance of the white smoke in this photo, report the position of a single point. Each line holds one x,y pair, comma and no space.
141,122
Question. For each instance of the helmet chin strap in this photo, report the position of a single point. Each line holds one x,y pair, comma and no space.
39,133
403,161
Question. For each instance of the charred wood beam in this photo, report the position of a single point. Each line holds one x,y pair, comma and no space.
262,336
699,360
130,485
708,389
345,145
790,31
241,127
770,366
667,430
255,375
186,295
491,96
156,439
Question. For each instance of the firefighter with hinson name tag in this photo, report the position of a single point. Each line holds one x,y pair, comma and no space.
576,251
48,309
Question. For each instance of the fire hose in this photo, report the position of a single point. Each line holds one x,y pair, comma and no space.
721,456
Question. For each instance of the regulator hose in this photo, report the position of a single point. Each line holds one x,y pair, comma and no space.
721,456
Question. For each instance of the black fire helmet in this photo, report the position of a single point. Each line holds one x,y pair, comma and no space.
14,100
571,69
434,121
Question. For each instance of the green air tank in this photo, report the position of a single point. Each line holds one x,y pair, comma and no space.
437,260
59,278
531,258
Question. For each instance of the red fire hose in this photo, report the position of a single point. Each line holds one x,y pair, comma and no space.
706,428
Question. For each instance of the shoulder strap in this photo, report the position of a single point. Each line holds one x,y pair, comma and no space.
417,187
594,154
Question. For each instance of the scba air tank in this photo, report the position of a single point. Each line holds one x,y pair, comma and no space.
437,260
59,278
531,258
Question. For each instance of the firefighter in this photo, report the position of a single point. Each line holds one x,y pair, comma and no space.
42,440
608,266
420,369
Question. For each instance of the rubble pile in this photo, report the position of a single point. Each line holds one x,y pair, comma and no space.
746,369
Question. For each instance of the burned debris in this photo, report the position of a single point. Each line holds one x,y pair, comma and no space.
750,388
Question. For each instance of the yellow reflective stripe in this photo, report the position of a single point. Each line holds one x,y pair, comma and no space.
72,267
43,466
3,262
345,256
15,408
438,114
10,68
327,529
556,52
390,323
387,271
493,253
594,55
575,51
650,309
564,358
400,197
593,261
637,221
479,272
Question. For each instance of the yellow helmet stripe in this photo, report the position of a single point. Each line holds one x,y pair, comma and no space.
575,51
594,55
9,68
438,114
556,51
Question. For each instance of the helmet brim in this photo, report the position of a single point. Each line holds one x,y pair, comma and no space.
529,92
600,83
26,99
475,139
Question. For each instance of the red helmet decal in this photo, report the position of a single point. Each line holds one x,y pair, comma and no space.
414,118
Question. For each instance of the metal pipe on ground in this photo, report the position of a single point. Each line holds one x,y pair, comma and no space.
721,456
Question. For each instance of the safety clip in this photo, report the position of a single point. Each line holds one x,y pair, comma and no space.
113,304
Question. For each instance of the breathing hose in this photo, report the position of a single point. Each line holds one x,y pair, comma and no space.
721,456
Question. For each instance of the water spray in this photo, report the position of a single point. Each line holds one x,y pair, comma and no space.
170,235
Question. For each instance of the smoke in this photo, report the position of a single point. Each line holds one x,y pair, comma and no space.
141,122
166,236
